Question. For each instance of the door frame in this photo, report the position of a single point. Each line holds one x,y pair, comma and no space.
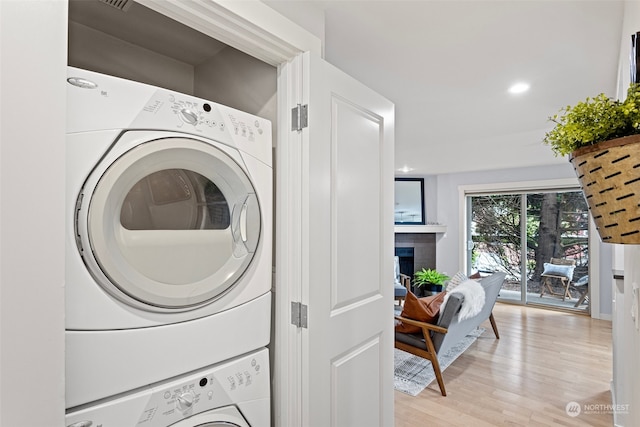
254,28
249,26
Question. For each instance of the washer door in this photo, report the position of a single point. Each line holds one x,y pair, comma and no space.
171,223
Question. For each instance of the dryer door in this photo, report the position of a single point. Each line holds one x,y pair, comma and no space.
228,416
168,224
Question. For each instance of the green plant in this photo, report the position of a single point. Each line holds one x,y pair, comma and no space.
426,276
594,120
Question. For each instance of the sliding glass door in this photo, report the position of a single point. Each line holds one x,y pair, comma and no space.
519,232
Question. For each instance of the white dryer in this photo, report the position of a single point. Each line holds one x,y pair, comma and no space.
231,394
169,234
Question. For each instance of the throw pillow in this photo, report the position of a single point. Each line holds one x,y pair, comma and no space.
457,278
425,309
558,270
475,276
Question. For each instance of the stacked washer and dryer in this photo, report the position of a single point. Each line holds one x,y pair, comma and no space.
168,258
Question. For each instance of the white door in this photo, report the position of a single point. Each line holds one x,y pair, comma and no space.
344,372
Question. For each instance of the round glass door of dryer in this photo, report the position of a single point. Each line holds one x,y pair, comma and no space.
227,416
171,224
216,424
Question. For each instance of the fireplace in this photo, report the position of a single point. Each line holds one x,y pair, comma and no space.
406,257
415,251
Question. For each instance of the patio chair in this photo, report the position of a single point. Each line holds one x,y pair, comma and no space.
557,269
582,286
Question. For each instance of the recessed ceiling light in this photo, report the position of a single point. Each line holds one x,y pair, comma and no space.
405,169
519,88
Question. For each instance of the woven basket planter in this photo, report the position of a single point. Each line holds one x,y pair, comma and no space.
609,174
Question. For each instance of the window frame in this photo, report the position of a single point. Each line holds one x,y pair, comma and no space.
571,184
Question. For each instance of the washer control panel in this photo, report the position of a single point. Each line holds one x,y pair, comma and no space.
245,379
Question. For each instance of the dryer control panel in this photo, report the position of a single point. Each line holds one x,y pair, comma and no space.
242,383
113,103
188,114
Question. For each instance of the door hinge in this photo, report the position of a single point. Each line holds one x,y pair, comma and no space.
299,117
299,314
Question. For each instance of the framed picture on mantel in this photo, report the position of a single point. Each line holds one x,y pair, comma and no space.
409,201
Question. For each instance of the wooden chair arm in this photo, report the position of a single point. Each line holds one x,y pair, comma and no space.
425,326
405,280
430,352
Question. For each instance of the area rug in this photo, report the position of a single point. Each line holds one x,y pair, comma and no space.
413,374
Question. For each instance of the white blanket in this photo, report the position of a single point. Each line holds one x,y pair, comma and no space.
474,298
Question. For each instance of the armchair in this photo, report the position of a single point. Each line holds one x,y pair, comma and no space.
401,284
437,339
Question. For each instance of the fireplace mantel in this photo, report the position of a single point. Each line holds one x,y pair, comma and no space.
420,228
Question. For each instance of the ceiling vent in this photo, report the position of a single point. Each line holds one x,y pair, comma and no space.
122,5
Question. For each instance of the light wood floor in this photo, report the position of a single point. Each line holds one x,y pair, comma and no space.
543,360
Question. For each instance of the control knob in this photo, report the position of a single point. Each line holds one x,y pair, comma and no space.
184,401
189,116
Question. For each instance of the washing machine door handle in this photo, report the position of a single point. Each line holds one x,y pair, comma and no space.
245,226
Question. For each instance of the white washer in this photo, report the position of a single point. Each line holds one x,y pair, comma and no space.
169,240
231,394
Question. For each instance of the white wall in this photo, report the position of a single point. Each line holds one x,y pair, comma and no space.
94,50
626,334
449,211
299,13
240,81
33,37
